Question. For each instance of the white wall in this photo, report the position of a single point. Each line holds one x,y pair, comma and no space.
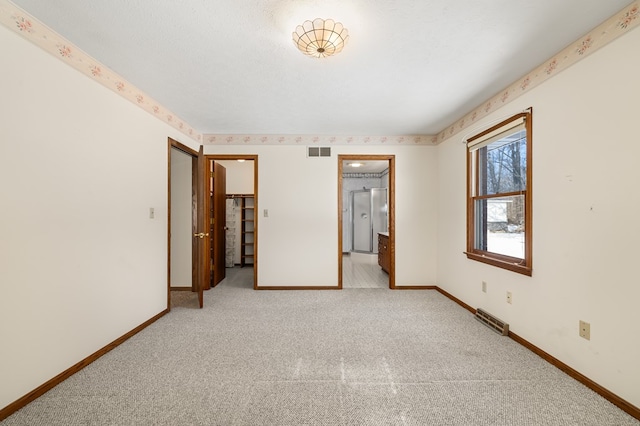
298,242
181,219
239,176
81,263
585,221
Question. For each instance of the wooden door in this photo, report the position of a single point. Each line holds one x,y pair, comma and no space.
218,222
202,232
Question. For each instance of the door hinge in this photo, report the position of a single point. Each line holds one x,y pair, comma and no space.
212,174
213,221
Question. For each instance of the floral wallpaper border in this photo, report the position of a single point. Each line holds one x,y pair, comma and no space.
365,175
210,139
603,34
20,22
39,34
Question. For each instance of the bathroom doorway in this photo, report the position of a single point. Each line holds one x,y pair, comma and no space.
366,231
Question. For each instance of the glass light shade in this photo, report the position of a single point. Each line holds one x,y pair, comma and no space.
320,38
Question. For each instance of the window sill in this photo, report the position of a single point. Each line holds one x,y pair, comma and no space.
500,263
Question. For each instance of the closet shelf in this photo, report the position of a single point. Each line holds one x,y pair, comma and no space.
248,219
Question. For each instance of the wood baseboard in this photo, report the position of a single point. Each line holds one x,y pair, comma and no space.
296,288
458,301
624,405
47,386
181,289
415,287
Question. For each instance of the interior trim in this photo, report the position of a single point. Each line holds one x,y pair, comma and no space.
455,299
404,287
49,41
609,30
391,192
316,140
298,288
623,404
254,158
50,384
415,287
173,144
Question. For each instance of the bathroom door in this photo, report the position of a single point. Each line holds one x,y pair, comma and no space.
361,221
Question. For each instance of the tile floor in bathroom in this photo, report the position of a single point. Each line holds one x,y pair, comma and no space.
361,270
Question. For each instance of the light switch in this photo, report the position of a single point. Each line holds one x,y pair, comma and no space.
152,213
266,213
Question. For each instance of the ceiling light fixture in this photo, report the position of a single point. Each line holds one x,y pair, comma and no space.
355,164
320,38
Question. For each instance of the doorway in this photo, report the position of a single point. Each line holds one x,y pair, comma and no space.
182,219
195,241
241,224
366,221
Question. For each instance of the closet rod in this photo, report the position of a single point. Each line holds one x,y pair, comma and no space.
239,195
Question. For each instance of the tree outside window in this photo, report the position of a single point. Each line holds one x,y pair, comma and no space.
499,195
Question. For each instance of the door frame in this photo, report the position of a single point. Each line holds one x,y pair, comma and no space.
392,209
173,144
254,158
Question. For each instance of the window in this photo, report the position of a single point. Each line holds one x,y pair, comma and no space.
499,195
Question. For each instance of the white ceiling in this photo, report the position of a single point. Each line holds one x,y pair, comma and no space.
411,67
366,166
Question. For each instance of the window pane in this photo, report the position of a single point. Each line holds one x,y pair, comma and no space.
500,225
502,165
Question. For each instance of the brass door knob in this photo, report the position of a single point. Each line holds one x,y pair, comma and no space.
201,235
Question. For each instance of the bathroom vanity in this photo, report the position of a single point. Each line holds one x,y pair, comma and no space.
383,251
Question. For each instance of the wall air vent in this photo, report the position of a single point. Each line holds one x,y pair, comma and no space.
492,322
319,151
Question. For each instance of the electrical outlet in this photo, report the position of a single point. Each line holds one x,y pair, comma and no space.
484,286
585,330
509,297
